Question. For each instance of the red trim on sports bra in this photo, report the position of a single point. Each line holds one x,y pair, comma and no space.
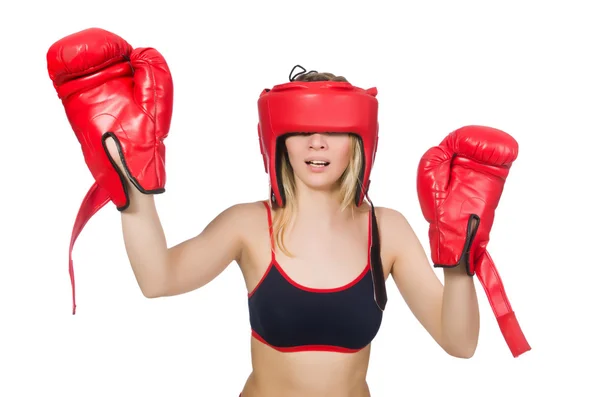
321,290
276,264
261,279
322,348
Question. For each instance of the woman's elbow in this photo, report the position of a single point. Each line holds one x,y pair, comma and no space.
154,285
464,352
152,291
151,294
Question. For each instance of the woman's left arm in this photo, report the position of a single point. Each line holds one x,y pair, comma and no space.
460,312
449,311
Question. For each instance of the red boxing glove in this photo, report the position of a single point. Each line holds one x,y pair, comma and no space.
459,184
108,90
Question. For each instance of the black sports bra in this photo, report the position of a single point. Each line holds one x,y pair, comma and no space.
290,317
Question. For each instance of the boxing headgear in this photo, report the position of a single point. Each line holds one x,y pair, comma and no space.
316,107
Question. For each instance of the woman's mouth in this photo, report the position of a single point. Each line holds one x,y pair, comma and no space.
317,163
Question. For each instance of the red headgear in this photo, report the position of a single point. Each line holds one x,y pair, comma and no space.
316,107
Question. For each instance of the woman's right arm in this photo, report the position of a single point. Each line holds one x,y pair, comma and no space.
162,271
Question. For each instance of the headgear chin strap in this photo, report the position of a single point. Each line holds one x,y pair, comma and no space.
322,107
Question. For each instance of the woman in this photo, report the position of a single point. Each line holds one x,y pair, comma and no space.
307,269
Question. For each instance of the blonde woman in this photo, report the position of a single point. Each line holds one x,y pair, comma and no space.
314,257
308,270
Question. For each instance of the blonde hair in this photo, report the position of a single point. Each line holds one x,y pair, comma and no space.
347,184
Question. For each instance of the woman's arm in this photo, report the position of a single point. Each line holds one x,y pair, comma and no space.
460,312
449,312
162,271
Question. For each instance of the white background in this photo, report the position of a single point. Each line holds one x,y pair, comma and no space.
529,68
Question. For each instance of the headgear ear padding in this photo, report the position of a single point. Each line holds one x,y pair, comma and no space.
317,107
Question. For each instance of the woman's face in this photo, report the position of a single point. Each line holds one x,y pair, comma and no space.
319,160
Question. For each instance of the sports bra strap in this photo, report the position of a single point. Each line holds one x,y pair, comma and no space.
370,241
270,220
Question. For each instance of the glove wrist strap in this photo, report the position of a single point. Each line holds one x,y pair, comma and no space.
94,200
494,289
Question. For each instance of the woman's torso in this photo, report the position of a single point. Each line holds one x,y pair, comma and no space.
322,297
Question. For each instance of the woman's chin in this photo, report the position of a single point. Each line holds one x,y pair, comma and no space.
321,182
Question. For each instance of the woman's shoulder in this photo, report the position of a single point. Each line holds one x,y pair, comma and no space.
246,213
242,220
390,218
395,232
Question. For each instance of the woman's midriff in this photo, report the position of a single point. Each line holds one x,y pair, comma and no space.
301,374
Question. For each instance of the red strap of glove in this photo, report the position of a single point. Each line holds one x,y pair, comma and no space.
94,200
494,289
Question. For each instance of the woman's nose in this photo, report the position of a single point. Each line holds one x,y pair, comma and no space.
317,141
